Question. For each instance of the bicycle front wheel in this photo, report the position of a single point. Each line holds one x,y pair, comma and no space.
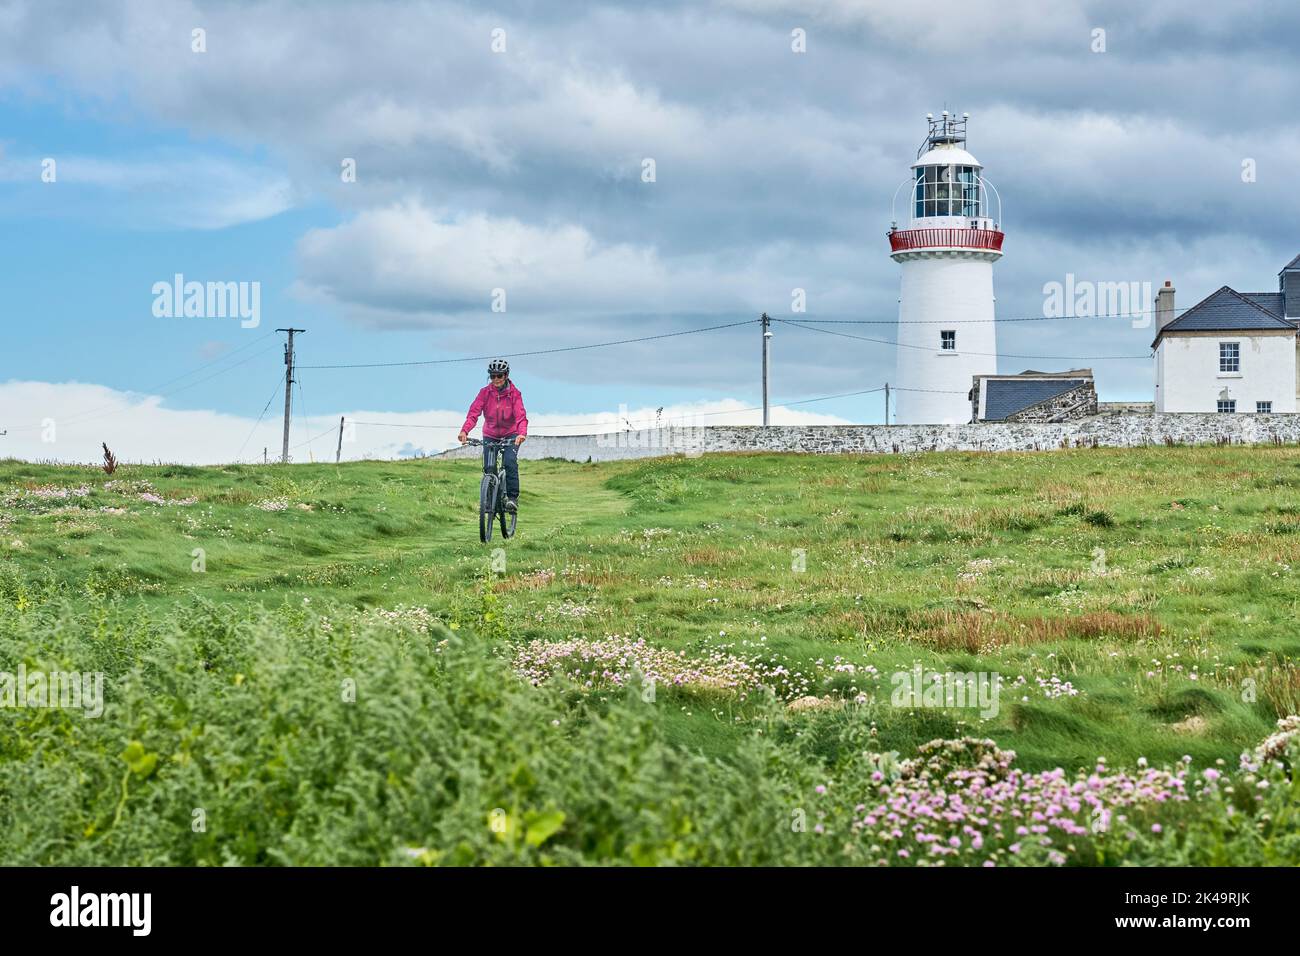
487,506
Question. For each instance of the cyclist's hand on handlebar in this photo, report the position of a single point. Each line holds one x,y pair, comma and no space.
462,438
519,440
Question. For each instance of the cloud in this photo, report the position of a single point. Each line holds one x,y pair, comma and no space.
68,421
521,170
177,190
408,260
1101,177
941,26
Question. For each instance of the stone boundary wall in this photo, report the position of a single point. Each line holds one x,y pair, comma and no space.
1103,430
1126,408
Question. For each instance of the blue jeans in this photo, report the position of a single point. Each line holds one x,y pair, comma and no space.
510,457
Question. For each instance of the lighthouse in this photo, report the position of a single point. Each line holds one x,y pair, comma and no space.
946,332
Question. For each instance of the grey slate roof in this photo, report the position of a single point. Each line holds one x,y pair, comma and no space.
1293,264
1225,311
1007,396
1266,300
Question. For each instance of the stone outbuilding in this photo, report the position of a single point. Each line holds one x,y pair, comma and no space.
1033,396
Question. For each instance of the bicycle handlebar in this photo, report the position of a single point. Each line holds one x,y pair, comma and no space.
488,442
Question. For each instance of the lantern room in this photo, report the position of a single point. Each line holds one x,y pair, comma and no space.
948,193
948,186
948,181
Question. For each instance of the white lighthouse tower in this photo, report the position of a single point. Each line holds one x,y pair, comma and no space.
945,313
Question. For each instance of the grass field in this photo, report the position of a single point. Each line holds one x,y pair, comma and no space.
675,660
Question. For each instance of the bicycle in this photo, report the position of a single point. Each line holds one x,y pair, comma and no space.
492,493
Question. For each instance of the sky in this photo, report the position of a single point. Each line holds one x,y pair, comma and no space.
376,170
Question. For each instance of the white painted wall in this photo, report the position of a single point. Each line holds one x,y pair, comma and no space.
1188,377
945,286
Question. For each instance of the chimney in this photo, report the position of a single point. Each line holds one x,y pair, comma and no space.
1288,283
1165,305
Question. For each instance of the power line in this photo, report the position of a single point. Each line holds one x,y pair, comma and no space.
304,418
313,438
998,319
260,417
728,411
805,323
812,322
568,348
455,424
736,411
648,338
759,408
926,348
80,418
802,324
219,359
177,391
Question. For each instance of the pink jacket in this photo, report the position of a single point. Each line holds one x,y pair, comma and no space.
502,410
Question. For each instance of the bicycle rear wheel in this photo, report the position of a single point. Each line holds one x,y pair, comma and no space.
508,520
487,506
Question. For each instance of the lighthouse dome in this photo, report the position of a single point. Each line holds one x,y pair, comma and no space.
948,156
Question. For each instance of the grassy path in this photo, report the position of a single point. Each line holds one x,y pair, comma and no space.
310,527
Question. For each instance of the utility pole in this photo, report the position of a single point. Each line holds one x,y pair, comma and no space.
767,351
339,451
886,403
288,391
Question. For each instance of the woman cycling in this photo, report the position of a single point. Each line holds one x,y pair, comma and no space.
504,418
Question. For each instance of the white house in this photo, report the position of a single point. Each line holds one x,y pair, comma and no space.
1232,352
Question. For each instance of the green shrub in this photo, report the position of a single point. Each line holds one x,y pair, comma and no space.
300,738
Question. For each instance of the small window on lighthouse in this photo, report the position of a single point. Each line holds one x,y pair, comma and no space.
948,339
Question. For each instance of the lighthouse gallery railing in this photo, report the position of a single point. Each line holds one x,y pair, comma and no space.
903,239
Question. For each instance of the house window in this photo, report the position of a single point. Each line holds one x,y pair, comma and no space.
1227,406
1229,356
1263,408
948,339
